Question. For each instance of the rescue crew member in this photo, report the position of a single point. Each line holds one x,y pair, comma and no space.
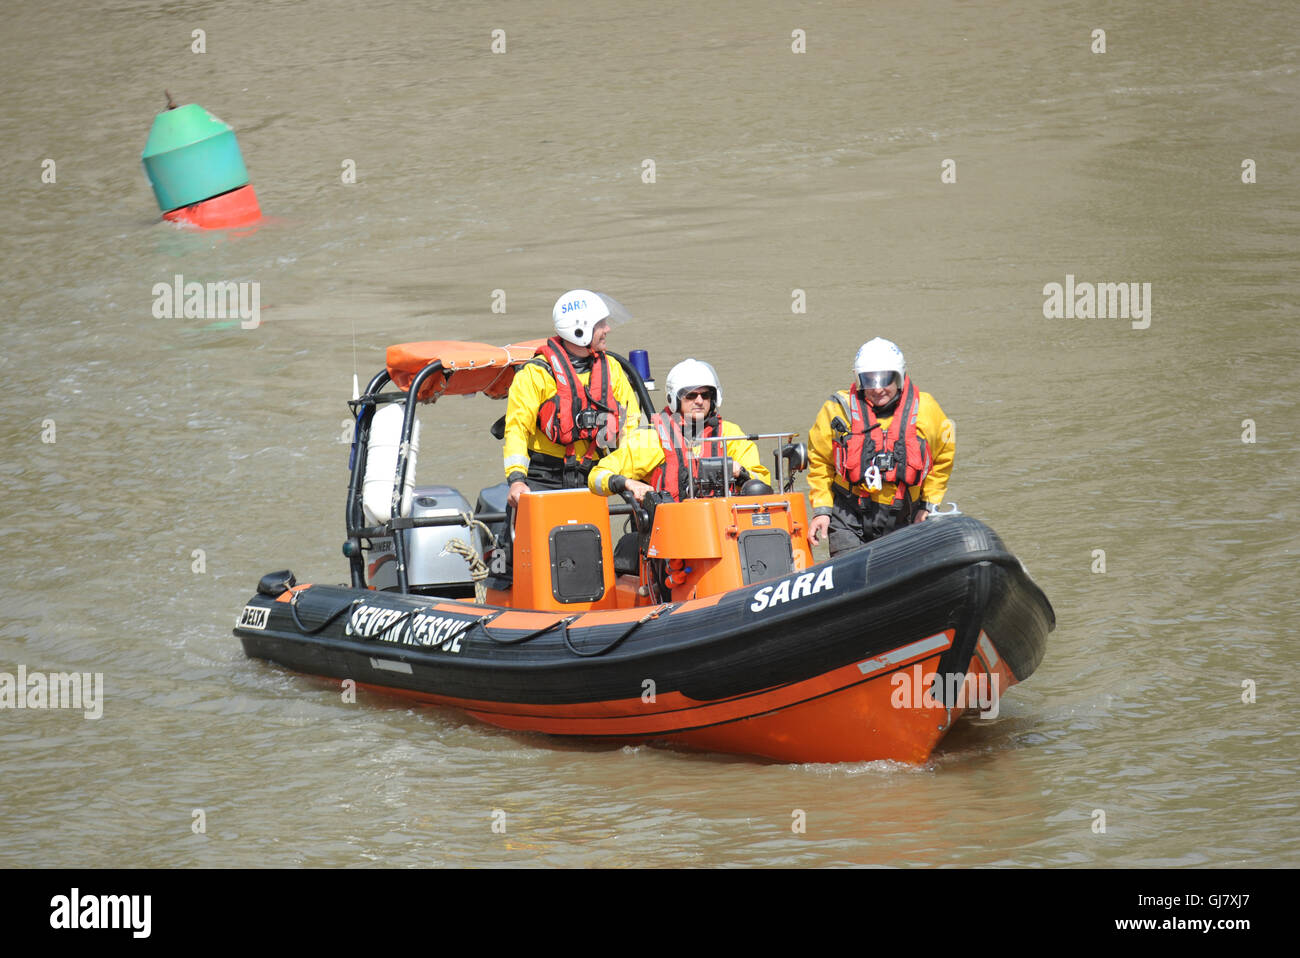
880,453
657,459
570,403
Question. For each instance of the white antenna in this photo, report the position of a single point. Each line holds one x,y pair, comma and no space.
356,387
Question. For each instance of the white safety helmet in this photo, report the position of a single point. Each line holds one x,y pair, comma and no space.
691,374
577,312
877,358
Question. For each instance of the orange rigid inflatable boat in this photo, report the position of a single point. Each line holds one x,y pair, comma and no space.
708,625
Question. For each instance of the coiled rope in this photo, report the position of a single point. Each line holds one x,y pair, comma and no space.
478,569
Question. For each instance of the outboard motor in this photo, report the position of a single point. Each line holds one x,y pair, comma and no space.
431,569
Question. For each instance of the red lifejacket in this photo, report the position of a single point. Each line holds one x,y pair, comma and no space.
671,477
557,417
904,454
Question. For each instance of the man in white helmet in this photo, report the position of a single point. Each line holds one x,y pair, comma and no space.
879,454
570,403
666,458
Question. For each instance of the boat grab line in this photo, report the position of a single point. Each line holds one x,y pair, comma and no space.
293,609
653,614
562,623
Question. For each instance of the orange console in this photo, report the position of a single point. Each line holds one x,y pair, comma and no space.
728,543
564,555
563,558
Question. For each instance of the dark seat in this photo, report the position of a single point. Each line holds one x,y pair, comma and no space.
627,560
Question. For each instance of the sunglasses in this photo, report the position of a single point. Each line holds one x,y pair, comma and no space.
699,394
877,380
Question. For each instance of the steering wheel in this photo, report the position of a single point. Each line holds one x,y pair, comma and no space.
506,537
640,517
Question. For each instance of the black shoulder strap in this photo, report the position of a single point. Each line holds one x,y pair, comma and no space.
847,422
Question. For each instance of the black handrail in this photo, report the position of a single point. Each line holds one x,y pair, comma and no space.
403,456
353,514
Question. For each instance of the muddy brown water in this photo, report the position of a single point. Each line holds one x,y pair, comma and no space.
191,455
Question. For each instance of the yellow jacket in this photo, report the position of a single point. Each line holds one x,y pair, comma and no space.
533,385
931,425
642,453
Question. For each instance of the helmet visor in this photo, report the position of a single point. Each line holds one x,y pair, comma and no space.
618,314
878,380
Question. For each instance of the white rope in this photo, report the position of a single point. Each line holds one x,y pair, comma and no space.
478,569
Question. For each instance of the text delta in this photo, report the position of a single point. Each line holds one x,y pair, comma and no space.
254,617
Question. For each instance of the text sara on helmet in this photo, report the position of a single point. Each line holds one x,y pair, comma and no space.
579,313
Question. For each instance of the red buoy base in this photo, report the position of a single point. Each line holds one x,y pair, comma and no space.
236,208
